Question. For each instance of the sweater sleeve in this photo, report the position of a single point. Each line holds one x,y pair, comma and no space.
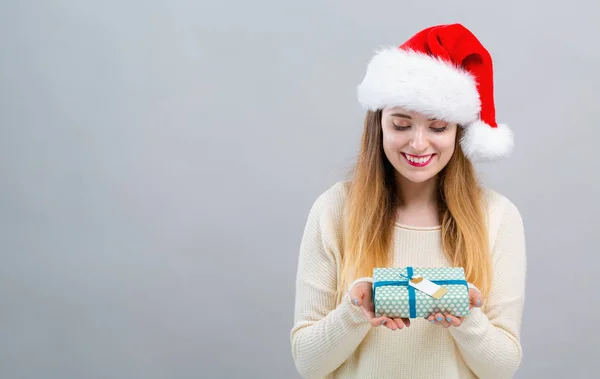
324,334
489,337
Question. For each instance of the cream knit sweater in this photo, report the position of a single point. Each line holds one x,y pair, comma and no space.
336,341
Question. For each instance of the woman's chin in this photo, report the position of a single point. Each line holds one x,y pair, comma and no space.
417,176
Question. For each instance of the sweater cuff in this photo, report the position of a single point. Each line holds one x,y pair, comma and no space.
351,313
364,279
474,325
471,285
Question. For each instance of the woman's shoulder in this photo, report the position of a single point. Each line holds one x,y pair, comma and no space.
327,213
501,210
332,200
496,200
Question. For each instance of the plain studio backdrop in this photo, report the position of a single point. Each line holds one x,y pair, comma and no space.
159,159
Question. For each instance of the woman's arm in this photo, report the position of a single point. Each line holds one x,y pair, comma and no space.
488,338
324,335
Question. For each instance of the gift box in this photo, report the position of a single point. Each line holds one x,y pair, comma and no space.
394,296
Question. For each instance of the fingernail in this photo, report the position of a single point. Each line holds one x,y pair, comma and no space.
432,321
439,318
478,302
448,319
383,322
355,301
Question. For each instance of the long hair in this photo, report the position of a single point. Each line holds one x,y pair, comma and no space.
372,201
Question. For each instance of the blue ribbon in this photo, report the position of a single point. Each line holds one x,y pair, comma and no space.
412,298
412,301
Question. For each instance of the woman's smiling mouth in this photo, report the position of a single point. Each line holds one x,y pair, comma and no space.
418,160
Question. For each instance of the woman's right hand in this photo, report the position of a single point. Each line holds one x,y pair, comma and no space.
360,295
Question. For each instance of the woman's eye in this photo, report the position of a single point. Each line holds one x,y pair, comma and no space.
439,126
401,127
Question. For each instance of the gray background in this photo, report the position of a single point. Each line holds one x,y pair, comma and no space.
158,161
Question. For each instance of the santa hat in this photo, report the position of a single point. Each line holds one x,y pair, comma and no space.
444,72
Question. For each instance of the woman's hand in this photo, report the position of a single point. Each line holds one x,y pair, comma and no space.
446,320
360,295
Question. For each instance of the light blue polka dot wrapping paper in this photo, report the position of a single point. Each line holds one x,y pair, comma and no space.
394,298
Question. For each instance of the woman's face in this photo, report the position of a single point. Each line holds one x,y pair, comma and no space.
418,147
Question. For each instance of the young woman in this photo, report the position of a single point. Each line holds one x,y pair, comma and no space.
414,200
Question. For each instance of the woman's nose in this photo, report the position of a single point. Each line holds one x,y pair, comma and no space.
418,141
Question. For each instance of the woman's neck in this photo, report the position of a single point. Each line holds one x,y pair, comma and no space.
418,203
418,195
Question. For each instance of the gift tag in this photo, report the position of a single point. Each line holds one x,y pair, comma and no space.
427,287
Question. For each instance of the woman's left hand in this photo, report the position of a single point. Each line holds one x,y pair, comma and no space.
446,320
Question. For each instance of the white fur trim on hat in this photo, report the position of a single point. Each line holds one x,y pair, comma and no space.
421,83
481,142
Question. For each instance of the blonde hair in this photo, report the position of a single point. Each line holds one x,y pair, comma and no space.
372,201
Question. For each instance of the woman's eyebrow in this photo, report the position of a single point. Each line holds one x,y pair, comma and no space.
408,117
401,115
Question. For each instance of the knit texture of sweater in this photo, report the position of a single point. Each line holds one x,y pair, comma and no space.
331,340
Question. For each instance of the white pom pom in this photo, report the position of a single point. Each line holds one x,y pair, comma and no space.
481,142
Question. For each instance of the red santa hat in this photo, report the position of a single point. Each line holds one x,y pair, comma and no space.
444,72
